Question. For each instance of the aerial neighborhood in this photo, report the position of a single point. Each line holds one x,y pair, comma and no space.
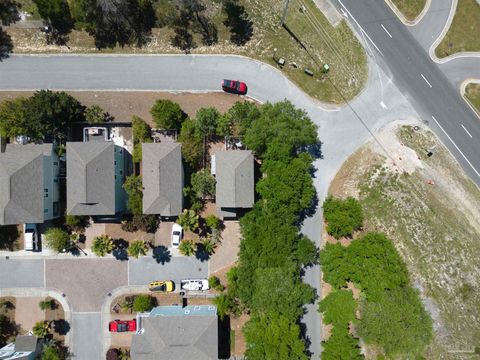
239,179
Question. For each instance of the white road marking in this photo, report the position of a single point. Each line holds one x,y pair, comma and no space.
382,104
464,128
383,27
424,78
363,31
460,151
344,13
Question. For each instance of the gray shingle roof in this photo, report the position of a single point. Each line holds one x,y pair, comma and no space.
26,343
162,176
176,337
235,179
21,183
90,178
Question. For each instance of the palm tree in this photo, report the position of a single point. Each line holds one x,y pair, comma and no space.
41,329
102,245
46,304
209,245
187,247
188,220
138,248
123,354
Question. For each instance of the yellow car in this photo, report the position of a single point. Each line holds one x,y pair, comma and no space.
164,286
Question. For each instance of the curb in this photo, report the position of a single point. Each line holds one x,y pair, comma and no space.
402,17
45,292
462,92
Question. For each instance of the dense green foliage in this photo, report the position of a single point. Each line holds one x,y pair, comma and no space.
237,118
341,345
134,189
188,220
392,315
57,239
167,115
102,245
272,251
187,247
95,114
142,133
192,143
343,216
41,329
56,13
147,223
206,121
143,303
273,336
9,11
203,183
213,222
50,352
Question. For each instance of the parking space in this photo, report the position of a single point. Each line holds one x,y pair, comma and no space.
119,340
145,270
21,273
86,282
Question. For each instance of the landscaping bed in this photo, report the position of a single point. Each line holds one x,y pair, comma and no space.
463,33
472,93
410,8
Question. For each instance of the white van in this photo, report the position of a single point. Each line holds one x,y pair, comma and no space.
30,236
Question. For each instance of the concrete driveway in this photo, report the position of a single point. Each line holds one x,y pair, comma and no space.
16,273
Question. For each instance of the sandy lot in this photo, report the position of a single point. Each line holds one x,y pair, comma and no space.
27,312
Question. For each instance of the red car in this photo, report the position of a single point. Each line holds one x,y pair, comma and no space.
234,86
122,325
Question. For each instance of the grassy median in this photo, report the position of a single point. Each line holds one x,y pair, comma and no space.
430,209
410,8
463,34
309,42
472,93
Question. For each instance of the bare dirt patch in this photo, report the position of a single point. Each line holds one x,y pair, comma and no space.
124,104
236,326
431,211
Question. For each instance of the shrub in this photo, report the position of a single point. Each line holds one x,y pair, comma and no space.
46,304
41,329
50,352
94,114
209,245
167,114
137,248
134,189
147,223
343,216
187,247
143,303
214,283
102,245
76,223
206,121
213,222
57,239
224,304
112,354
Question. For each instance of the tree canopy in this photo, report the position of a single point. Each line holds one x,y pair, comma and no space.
9,11
134,188
203,183
206,121
167,115
192,144
57,239
57,14
343,216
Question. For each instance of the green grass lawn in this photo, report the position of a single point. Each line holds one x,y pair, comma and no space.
464,33
472,93
322,43
436,228
410,8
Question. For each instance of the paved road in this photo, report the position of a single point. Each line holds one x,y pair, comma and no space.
16,273
422,81
340,131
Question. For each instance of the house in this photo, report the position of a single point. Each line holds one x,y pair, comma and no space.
29,191
235,190
176,332
95,176
162,176
25,347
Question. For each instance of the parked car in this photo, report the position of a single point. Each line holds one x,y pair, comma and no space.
234,86
194,284
176,235
122,325
164,286
30,236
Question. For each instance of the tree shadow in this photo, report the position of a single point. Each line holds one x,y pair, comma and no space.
6,45
8,235
315,150
310,210
241,27
224,338
201,254
61,326
161,254
306,339
120,252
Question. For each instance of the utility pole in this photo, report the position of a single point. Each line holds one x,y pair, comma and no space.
284,12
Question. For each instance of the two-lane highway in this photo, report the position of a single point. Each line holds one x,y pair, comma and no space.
421,80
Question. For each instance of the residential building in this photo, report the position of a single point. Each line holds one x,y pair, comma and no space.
162,176
25,347
95,177
235,190
176,332
29,191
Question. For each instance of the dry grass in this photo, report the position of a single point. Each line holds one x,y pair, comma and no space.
472,93
436,228
410,8
325,44
463,34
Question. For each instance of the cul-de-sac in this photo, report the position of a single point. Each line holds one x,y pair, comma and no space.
239,179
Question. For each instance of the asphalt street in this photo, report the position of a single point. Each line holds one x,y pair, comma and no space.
16,273
425,85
